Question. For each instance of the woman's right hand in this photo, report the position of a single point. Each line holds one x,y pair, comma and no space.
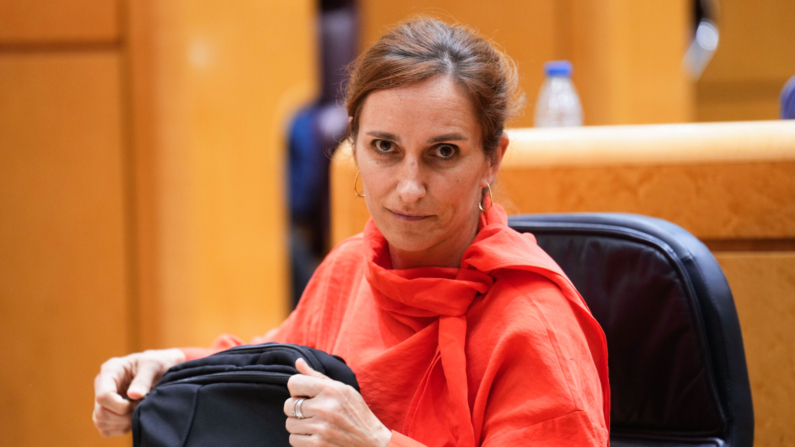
123,381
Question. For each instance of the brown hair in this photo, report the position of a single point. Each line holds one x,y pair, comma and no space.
422,48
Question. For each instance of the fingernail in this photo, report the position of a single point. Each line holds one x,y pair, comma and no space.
137,391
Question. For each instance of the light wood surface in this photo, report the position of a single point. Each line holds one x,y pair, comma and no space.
763,285
755,41
670,144
627,60
212,87
59,21
63,258
720,201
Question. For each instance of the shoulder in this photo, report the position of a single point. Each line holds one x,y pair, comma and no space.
316,320
529,323
340,269
530,306
529,286
344,260
349,250
522,304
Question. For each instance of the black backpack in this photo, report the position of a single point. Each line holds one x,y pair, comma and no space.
232,398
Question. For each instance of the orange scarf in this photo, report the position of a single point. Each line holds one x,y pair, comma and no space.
433,295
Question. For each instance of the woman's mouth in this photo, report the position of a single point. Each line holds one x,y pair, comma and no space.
408,217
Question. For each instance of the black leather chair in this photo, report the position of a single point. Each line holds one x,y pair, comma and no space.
676,358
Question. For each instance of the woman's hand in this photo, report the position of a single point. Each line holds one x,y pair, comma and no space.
334,413
122,381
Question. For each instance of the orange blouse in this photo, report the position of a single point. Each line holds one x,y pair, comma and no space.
501,351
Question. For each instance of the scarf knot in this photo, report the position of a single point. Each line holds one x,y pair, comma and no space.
428,295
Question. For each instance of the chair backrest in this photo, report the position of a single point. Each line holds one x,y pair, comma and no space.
676,358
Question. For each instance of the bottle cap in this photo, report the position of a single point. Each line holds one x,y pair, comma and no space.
558,68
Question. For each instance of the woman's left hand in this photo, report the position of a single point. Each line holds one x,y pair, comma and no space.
334,414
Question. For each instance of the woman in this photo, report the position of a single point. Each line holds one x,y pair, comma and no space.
460,330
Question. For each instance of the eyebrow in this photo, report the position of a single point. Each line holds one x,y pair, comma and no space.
446,137
384,135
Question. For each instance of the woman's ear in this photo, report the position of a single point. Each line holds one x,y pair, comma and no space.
495,160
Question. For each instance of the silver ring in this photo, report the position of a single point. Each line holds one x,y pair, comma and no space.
297,408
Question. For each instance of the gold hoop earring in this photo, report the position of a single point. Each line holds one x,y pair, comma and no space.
491,201
354,185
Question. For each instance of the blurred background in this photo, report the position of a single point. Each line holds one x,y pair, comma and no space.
164,164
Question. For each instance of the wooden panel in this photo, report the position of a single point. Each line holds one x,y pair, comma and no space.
58,21
627,58
524,30
755,42
763,285
752,62
725,107
213,88
63,296
718,181
711,201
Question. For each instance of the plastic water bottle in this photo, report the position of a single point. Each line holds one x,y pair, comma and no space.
558,104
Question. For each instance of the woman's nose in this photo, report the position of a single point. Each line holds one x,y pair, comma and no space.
410,187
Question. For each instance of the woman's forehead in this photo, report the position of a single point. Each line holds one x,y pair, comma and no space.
435,106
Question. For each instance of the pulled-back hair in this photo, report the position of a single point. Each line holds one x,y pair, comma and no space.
423,48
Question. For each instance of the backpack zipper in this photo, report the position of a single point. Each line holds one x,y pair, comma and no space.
236,376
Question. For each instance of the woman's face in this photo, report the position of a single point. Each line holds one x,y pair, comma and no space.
422,165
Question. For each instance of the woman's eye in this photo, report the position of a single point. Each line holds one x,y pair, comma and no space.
446,151
382,145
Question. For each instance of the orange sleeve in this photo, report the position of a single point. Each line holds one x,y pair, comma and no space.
543,385
574,429
399,440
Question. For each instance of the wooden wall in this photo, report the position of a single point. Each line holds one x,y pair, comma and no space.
64,224
141,146
525,30
212,89
626,54
754,59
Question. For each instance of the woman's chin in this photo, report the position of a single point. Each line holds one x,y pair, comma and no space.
410,243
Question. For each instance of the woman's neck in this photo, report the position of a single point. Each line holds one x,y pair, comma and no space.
447,253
